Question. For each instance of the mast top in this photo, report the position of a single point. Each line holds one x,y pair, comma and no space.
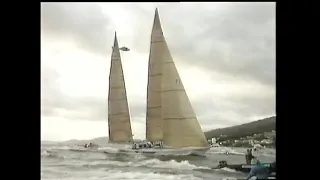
115,43
156,22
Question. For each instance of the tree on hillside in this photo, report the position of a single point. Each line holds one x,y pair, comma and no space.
248,129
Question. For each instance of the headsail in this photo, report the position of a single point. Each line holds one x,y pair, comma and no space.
118,110
180,124
154,123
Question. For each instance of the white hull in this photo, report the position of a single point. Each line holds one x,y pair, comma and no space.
214,145
167,151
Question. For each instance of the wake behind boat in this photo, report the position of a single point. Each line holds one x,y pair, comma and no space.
86,147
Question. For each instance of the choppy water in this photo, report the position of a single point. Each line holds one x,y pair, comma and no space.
60,162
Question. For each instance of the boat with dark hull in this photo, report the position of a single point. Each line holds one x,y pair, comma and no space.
245,168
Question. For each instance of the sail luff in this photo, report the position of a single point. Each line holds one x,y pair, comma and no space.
154,123
180,124
118,109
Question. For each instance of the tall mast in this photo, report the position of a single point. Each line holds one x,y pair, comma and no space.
154,123
169,109
118,109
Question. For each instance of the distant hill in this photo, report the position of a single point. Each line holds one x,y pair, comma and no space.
48,142
99,140
248,129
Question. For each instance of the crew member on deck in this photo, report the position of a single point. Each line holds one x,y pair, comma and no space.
259,170
249,156
134,146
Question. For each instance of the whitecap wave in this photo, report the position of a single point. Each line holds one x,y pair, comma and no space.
122,175
150,163
225,150
227,169
147,176
172,164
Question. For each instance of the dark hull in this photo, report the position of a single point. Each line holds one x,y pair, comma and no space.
246,168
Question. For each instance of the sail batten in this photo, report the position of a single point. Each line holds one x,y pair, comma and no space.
118,110
180,126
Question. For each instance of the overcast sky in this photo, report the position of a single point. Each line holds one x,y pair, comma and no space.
224,52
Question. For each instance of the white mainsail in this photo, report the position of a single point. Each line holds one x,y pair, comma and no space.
170,116
118,109
154,123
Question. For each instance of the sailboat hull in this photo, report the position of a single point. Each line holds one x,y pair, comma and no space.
167,151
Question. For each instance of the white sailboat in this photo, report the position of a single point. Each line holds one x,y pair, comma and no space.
170,118
118,110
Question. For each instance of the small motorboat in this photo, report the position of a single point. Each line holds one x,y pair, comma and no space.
245,168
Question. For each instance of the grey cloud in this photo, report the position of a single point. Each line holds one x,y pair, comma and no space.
137,110
231,111
237,39
54,101
76,108
232,38
83,22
